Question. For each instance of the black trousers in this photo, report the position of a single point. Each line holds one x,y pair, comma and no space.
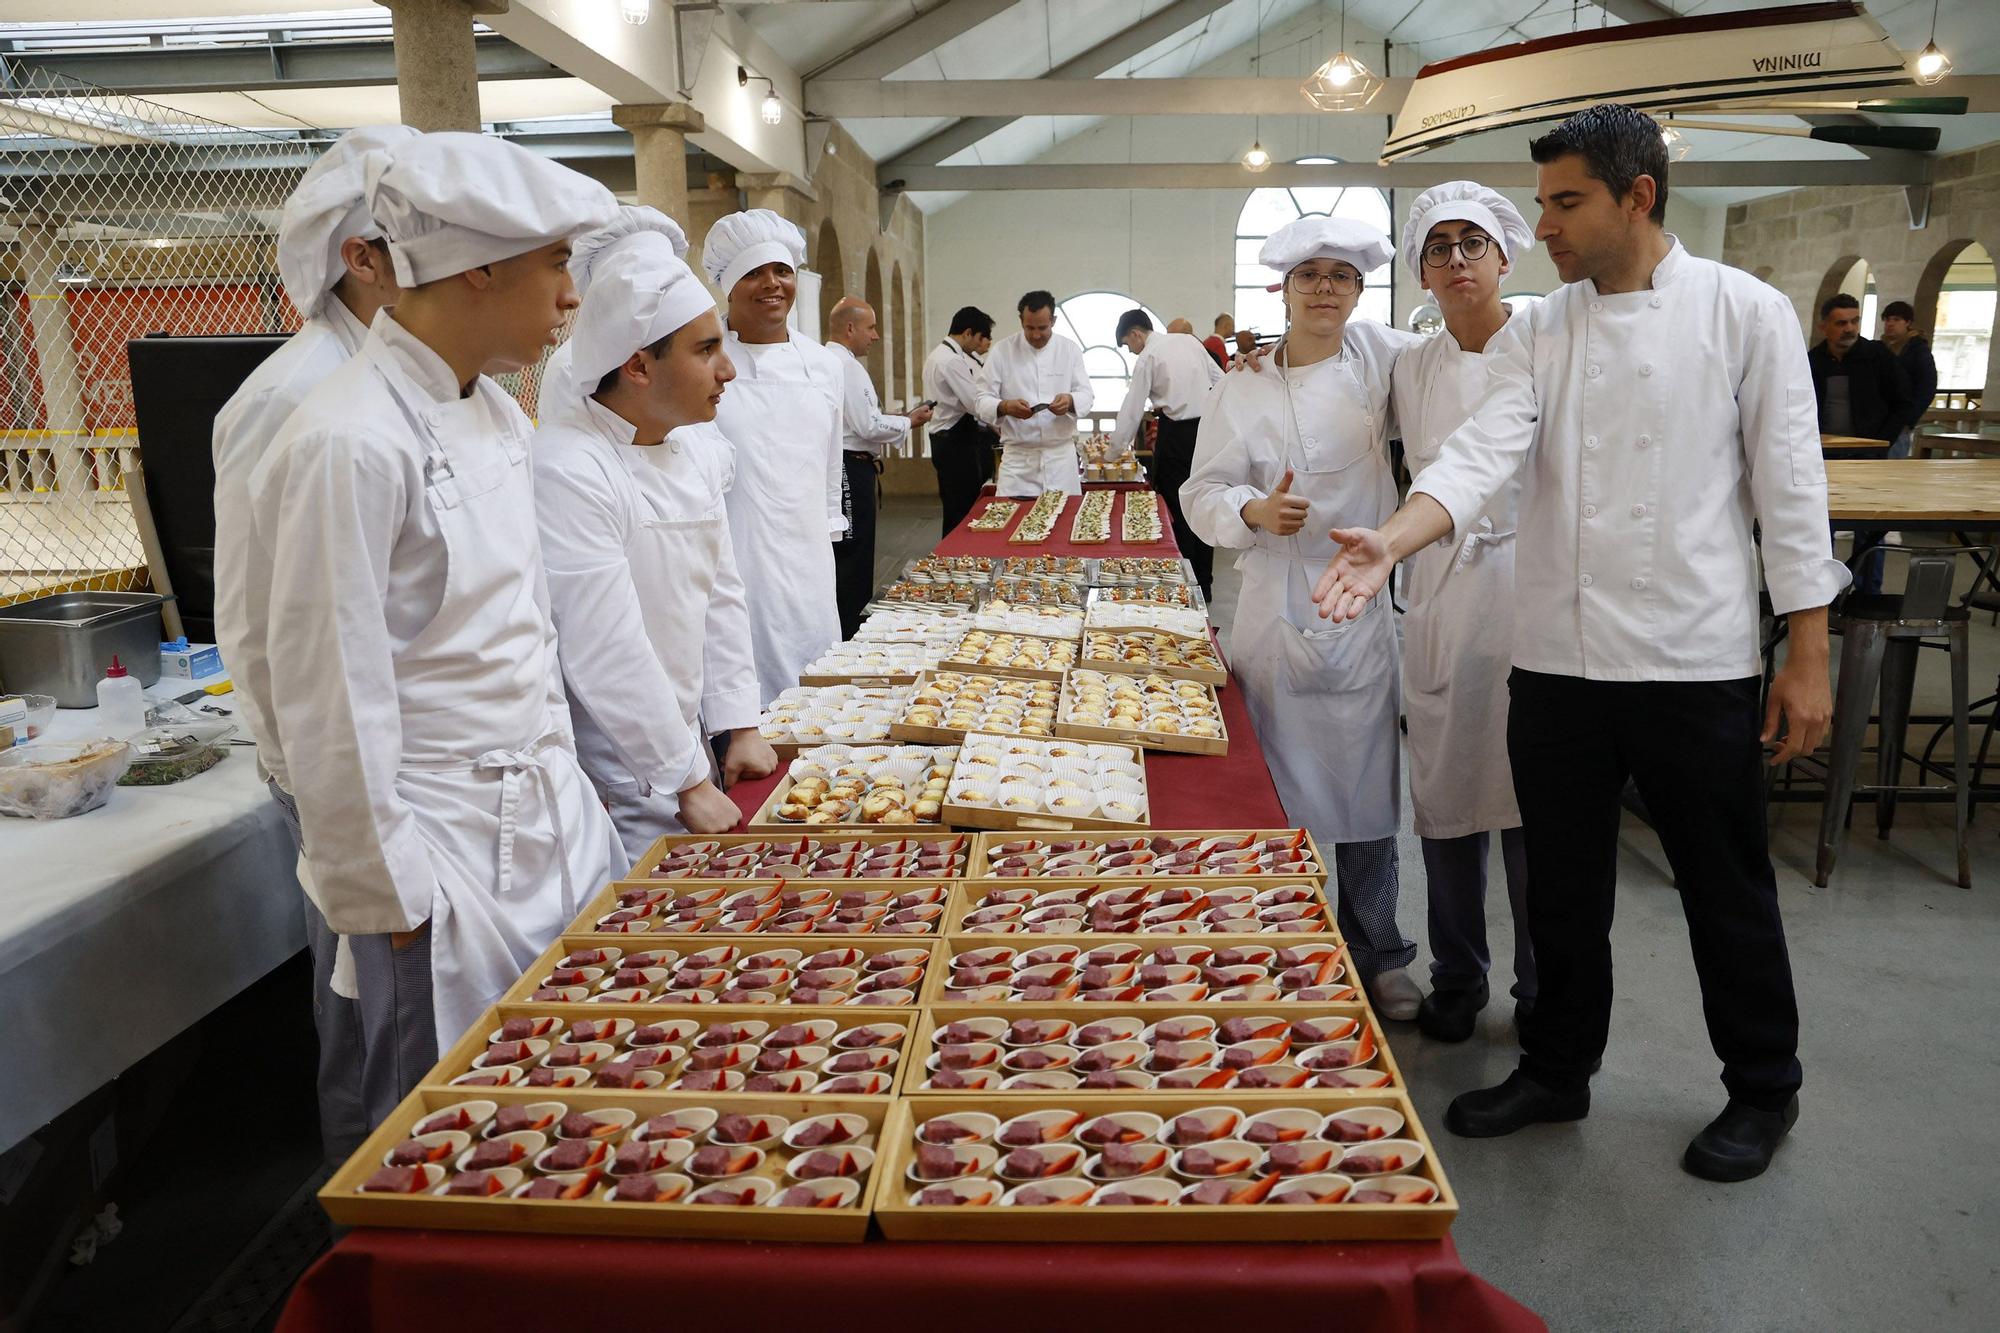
966,460
1693,750
854,554
1173,460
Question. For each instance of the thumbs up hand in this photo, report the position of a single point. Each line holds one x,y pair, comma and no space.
1280,513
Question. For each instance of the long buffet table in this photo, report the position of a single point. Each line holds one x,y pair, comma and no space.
419,1280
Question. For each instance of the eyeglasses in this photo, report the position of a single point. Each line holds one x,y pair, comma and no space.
1342,281
1438,253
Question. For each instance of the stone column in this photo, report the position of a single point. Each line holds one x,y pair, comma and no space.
780,191
62,463
659,133
437,66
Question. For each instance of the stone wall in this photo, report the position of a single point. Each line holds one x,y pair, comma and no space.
1804,241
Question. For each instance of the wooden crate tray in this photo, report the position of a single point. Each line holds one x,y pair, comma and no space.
981,864
766,820
909,733
865,680
458,1060
1341,983
1173,742
968,895
593,1215
686,945
900,1219
992,817
606,903
951,663
1215,676
873,837
1372,1058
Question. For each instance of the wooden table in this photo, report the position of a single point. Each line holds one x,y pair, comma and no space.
1934,442
1939,494
1850,444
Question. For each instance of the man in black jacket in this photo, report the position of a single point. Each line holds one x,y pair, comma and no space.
1861,388
1913,353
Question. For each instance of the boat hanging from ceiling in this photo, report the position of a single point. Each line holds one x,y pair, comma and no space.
1761,53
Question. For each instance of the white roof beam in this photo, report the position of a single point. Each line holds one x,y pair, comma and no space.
858,99
910,41
1413,174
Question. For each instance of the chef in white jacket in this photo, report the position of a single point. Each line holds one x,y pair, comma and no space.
335,269
1036,390
449,830
1458,609
557,394
1283,455
631,492
782,414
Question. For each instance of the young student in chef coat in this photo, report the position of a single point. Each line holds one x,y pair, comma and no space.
414,687
865,431
557,393
961,444
1458,609
782,414
1176,374
631,493
335,268
1283,456
1036,390
1659,406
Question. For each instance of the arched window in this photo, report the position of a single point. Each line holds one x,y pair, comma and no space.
1270,208
1964,331
1091,318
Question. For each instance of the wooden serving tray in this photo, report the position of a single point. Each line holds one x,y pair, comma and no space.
870,945
593,1216
901,1220
914,1069
1205,675
874,833
865,681
950,663
766,821
1177,743
967,894
979,866
908,733
1041,821
937,974
606,902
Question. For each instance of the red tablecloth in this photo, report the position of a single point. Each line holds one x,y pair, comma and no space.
428,1281
425,1280
964,541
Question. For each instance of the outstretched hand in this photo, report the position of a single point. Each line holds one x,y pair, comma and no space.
1354,576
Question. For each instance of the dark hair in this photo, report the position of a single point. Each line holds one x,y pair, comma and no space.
1133,319
609,380
971,319
1617,143
1902,310
1035,300
1838,301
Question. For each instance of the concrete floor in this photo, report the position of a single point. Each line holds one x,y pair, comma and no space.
1882,1210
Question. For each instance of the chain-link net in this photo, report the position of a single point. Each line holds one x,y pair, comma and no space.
119,217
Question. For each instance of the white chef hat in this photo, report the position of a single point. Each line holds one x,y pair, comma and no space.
749,240
451,201
642,292
1465,201
1322,237
326,209
631,220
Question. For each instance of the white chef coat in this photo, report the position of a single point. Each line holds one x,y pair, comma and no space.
648,606
1655,426
413,670
1176,373
1016,370
1323,698
864,427
782,415
952,377
1458,613
244,428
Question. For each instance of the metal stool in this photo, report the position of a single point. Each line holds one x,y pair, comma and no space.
1881,634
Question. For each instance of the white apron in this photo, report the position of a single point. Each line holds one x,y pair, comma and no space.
1030,469
1458,620
674,556
779,524
516,837
1322,696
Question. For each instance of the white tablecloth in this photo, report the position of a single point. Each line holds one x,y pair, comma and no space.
123,927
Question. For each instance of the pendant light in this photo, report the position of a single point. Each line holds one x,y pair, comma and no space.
1932,64
1255,158
635,11
1342,83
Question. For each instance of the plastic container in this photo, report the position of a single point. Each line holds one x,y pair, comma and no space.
163,755
54,780
121,702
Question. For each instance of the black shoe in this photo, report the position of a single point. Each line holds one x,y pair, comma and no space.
1450,1015
1489,1113
1739,1143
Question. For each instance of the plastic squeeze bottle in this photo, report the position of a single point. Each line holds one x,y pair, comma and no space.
123,703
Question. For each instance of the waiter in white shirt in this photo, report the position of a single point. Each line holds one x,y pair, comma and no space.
1035,391
631,489
449,832
335,267
782,414
1176,373
961,444
865,431
1662,406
